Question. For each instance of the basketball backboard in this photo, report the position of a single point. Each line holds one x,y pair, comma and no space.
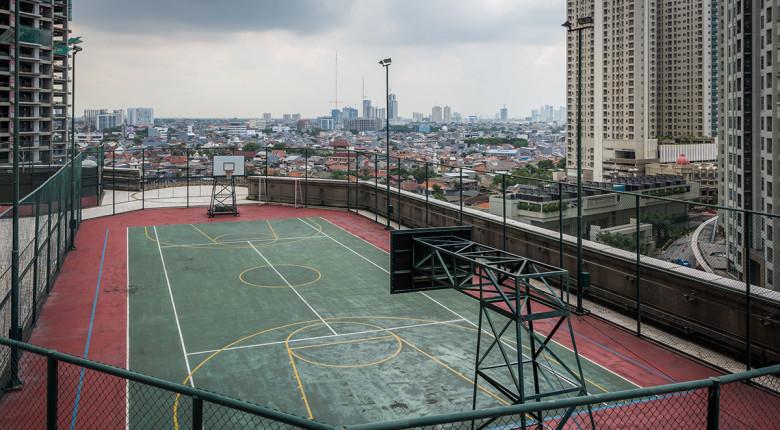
225,163
403,255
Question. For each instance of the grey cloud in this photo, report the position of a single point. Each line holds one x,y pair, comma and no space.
157,17
443,22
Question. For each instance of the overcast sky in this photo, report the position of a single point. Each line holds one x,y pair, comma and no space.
240,58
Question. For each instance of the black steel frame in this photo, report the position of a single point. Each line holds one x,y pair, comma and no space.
520,291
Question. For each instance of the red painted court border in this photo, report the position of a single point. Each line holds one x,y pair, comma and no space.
65,316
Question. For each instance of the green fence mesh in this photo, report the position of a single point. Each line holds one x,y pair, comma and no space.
47,226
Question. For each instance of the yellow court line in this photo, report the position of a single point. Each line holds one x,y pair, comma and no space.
148,236
324,344
300,383
219,351
273,232
392,356
203,233
460,375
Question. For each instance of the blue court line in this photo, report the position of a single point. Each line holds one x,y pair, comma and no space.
89,335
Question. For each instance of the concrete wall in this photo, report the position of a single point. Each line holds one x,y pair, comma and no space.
697,305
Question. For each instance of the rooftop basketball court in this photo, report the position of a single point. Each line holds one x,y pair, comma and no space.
295,314
290,309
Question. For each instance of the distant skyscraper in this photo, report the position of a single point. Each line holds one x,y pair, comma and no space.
336,115
368,111
348,112
296,117
140,117
548,114
267,116
380,113
105,120
647,74
447,114
504,114
90,116
417,116
393,107
436,114
560,115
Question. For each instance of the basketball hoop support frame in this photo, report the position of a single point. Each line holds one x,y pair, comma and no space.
515,297
223,196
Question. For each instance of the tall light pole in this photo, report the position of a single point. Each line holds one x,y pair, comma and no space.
582,24
386,64
76,49
16,330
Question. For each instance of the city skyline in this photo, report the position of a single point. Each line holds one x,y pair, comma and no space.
204,61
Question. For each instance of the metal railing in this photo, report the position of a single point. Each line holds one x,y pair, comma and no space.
65,391
661,219
48,220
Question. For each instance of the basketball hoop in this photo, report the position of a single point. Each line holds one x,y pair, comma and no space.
229,173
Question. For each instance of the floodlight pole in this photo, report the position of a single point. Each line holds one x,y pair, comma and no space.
584,23
386,64
16,331
76,50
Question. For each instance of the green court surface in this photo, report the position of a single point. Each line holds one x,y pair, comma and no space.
295,314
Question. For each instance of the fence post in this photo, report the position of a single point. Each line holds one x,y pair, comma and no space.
713,405
460,214
376,188
197,413
399,193
348,206
187,169
35,257
305,175
49,189
427,219
637,268
560,228
746,268
503,212
113,182
143,178
265,185
51,393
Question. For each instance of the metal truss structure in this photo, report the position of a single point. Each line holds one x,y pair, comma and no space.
519,315
223,197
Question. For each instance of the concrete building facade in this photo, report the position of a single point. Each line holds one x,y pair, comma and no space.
143,117
43,81
647,74
749,136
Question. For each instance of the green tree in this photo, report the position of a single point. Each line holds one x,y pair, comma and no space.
250,146
338,175
437,192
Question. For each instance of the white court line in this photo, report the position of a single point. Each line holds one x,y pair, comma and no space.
291,287
466,319
346,247
329,336
175,314
127,328
236,242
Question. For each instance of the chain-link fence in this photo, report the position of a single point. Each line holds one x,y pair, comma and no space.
48,219
63,391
